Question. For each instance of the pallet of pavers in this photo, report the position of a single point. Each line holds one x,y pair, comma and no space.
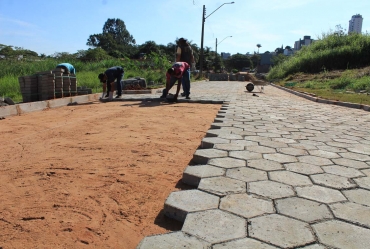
73,87
47,85
58,84
28,87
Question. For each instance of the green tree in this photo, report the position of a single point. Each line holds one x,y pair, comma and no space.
258,46
238,61
279,58
96,54
7,51
115,39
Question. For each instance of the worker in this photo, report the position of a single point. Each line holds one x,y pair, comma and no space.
68,68
184,53
111,79
180,72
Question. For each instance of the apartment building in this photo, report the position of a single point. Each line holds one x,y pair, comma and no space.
355,24
305,42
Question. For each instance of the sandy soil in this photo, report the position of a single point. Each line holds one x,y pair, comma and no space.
94,175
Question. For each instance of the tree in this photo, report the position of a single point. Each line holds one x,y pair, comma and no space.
95,54
115,39
238,61
258,46
279,58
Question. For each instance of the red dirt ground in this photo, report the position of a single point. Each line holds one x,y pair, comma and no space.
94,175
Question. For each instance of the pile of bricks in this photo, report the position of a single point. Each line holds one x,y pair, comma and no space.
48,85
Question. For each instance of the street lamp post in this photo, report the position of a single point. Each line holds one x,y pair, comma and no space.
202,37
221,41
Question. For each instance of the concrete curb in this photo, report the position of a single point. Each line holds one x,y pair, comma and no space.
22,108
324,101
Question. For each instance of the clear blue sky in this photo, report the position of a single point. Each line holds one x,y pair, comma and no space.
49,26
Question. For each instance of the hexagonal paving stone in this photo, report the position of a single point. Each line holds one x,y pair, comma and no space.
216,132
273,144
193,174
320,194
176,240
351,163
246,155
280,231
222,185
355,156
178,204
270,189
229,147
302,209
264,164
260,149
256,138
284,140
303,146
315,246
331,148
268,134
247,174
342,235
289,178
360,148
363,182
209,142
227,162
323,153
230,136
246,205
202,156
242,244
207,226
244,142
304,168
366,172
333,181
361,196
337,144
342,171
292,151
319,161
352,212
280,158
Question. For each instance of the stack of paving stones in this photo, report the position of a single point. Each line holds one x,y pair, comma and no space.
47,85
28,86
218,77
277,171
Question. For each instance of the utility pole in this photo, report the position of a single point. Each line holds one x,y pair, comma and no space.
204,17
201,42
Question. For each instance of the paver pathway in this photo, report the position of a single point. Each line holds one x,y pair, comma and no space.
274,171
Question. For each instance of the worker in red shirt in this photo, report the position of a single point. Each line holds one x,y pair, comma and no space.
180,72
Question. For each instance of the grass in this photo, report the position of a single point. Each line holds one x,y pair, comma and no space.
152,70
330,68
342,96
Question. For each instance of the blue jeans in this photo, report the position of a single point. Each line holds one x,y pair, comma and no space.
119,84
185,82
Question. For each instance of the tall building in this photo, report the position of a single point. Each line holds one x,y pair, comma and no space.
355,24
225,55
305,42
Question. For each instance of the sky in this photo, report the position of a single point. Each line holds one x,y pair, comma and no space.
54,26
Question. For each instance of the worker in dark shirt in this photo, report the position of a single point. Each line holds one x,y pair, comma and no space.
111,79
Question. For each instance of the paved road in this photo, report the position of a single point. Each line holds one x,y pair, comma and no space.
274,171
